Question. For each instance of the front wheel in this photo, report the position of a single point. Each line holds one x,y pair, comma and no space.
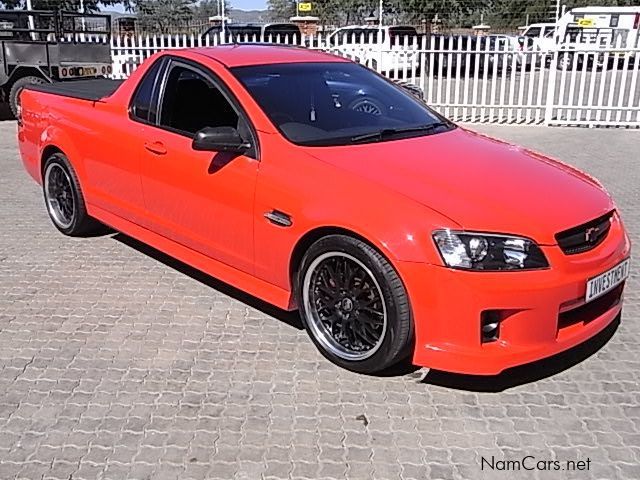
354,305
63,198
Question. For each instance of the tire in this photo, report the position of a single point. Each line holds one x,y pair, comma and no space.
371,328
567,59
64,200
17,87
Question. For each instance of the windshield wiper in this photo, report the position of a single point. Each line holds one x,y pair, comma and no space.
387,132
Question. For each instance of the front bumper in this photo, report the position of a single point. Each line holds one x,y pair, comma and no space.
542,312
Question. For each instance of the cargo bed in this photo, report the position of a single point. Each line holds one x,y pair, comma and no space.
92,90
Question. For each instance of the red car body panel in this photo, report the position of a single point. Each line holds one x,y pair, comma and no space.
393,194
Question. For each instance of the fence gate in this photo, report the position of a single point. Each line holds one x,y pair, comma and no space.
492,79
595,88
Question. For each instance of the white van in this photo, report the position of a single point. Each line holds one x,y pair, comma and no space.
381,49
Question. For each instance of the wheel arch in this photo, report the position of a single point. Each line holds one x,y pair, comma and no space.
26,71
309,238
53,139
46,153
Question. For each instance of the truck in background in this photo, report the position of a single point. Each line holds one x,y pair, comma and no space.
586,29
43,46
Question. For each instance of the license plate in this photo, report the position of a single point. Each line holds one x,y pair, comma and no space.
607,281
89,71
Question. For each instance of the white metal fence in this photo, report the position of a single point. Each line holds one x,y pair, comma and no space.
491,79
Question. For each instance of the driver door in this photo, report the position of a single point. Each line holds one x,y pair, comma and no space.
202,200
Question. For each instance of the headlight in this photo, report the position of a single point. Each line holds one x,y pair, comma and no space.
488,252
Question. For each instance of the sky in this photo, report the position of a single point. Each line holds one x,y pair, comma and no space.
249,4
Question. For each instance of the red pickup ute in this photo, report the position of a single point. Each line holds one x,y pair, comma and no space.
312,182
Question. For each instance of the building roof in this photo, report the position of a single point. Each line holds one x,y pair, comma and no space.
259,54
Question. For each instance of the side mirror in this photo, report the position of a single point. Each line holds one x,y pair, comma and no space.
219,139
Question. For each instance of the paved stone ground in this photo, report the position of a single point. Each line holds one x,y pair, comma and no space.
118,363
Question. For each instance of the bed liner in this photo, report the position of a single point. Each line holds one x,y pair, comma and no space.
94,89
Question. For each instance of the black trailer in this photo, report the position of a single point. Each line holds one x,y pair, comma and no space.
42,46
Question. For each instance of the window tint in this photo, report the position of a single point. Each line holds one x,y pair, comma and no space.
403,36
290,32
330,103
141,104
191,103
533,32
356,36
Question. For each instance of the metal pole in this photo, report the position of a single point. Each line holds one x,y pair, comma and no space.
223,23
380,42
32,25
557,10
82,18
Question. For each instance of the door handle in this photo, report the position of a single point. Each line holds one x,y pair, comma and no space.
156,147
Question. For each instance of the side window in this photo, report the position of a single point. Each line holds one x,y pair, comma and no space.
141,104
191,102
533,32
613,22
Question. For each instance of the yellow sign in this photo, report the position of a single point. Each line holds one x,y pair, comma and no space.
585,22
304,7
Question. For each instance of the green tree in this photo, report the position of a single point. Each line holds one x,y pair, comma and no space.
281,10
159,16
452,13
209,8
90,6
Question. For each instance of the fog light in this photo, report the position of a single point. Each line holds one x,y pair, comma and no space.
63,72
489,326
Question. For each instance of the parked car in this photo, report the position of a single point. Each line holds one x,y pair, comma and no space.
389,49
394,232
446,54
288,33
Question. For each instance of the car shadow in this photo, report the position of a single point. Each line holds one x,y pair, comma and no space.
290,318
221,160
510,378
524,374
5,112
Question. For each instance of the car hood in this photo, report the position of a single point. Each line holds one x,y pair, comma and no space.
480,183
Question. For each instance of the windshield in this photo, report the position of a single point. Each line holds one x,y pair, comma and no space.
336,103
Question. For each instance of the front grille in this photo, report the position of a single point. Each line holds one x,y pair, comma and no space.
586,236
587,312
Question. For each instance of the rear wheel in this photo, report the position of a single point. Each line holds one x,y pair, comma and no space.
17,87
353,305
64,200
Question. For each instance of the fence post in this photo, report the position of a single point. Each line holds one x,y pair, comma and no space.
551,87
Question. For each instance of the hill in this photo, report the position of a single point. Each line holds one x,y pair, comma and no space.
249,16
